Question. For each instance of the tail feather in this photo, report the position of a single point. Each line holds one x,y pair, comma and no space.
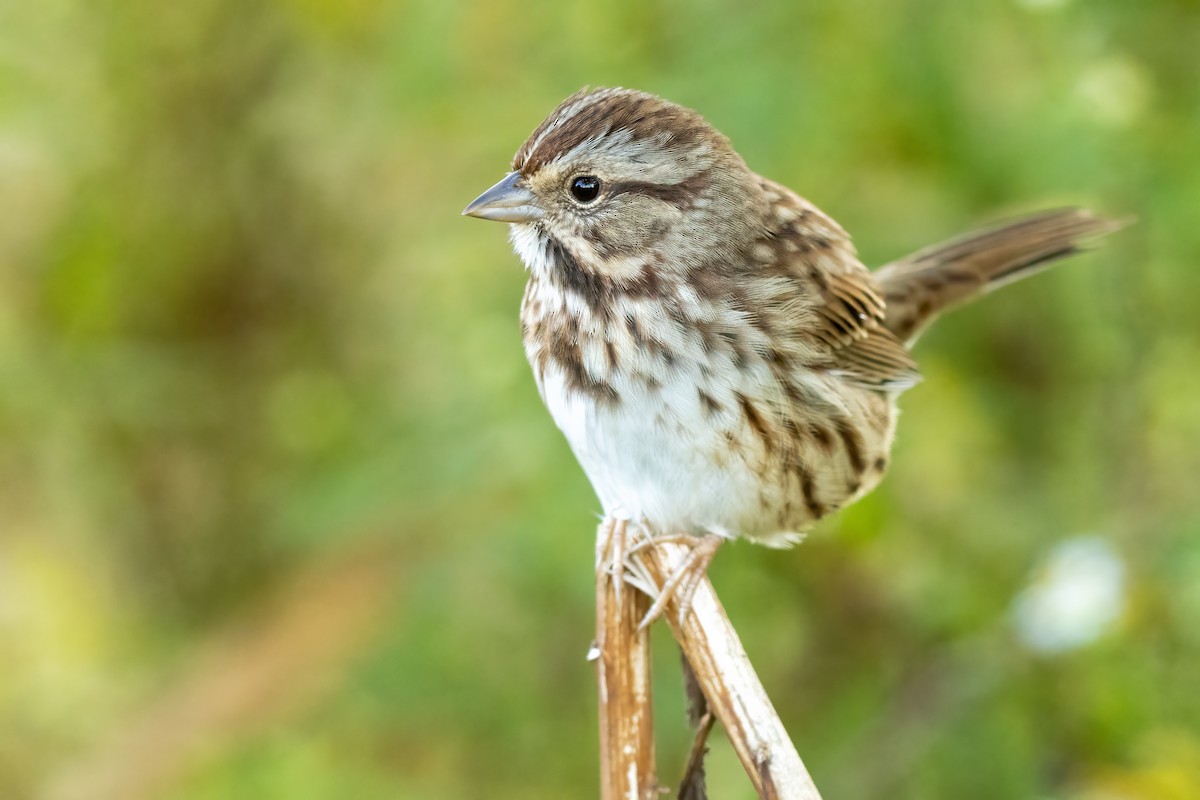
923,285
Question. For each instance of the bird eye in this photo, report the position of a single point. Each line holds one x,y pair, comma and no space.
585,188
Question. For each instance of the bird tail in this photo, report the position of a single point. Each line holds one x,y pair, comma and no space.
920,287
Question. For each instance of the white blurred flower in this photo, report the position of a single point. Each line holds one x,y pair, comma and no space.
1115,90
1076,595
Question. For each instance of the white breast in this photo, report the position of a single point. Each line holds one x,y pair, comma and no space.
657,455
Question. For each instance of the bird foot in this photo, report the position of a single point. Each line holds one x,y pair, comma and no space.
682,583
615,556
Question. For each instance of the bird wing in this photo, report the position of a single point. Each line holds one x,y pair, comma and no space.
851,314
848,305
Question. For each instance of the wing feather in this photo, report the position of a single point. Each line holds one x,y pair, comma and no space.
849,306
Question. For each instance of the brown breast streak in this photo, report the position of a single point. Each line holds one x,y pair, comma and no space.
555,335
599,291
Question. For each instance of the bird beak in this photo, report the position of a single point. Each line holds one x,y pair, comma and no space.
507,201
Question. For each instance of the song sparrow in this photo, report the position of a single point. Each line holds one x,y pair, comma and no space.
717,356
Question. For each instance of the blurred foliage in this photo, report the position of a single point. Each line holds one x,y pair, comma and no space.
281,514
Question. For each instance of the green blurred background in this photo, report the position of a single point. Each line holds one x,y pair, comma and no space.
281,515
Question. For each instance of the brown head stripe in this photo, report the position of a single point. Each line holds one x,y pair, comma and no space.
642,115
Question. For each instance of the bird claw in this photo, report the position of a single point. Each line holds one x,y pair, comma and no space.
616,558
683,582
613,556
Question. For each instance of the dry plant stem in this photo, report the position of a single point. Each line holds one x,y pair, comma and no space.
627,764
730,684
692,783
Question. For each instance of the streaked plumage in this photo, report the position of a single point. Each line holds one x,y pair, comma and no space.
717,356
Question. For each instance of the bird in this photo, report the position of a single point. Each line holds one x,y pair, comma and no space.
720,361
